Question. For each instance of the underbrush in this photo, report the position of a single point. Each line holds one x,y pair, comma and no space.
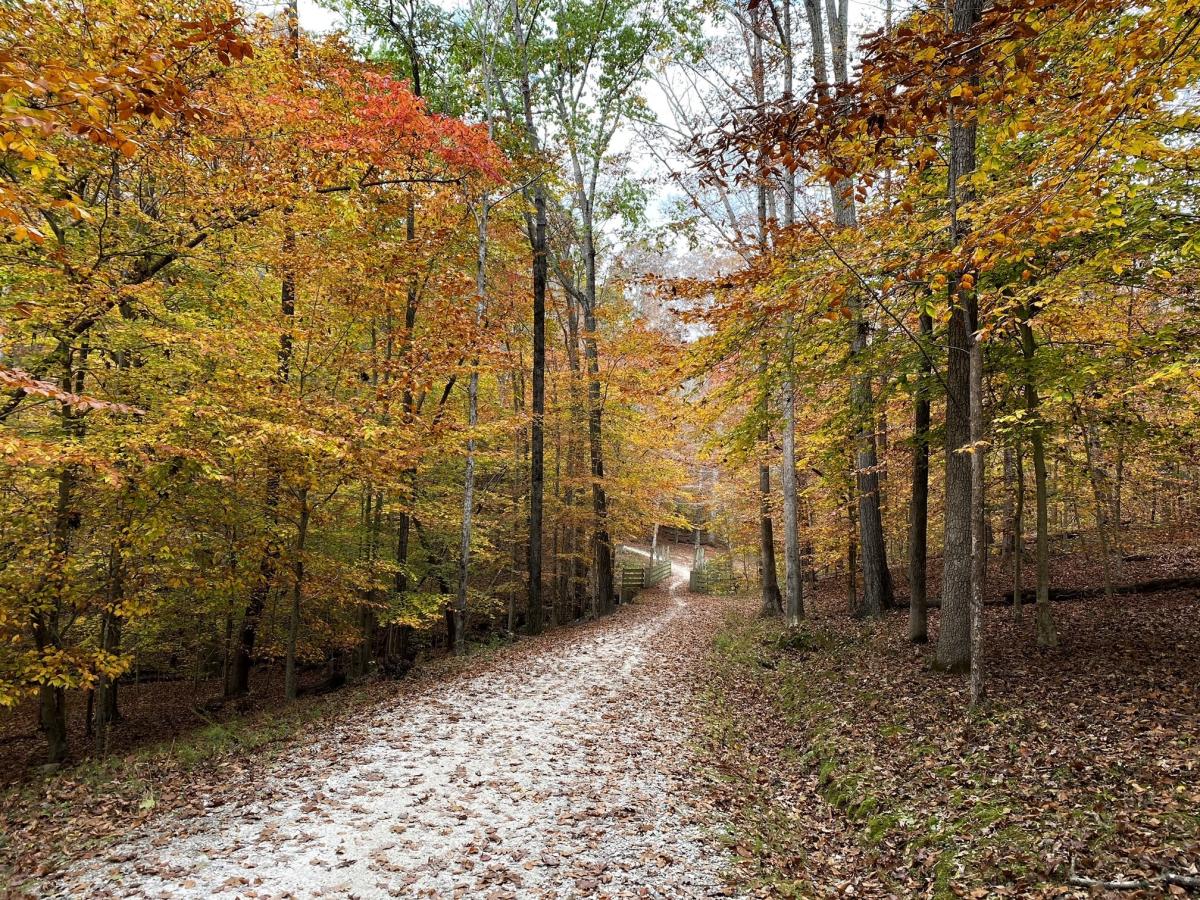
845,764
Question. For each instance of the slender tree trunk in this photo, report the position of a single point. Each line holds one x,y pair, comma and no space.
1088,436
537,436
772,599
579,569
1006,511
468,511
1118,488
953,650
520,521
1047,634
105,700
468,507
772,603
372,526
918,616
877,592
877,580
1018,529
601,546
538,247
106,710
852,550
795,598
791,533
978,521
289,670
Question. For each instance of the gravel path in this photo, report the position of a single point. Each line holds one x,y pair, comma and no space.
561,774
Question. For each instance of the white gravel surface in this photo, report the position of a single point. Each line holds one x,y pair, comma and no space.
558,775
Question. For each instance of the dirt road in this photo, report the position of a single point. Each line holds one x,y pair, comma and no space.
564,773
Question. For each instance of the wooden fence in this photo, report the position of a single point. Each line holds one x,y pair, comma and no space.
715,577
636,575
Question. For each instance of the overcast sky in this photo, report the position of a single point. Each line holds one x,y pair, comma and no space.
313,17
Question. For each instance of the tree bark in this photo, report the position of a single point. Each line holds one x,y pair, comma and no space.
537,435
978,520
1090,450
106,712
1018,528
954,637
1047,634
918,617
601,545
791,541
538,246
290,691
772,601
791,534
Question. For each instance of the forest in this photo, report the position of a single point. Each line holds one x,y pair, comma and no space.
571,448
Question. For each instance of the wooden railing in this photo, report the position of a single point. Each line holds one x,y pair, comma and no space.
636,575
714,577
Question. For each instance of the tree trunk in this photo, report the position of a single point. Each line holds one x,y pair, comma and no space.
953,649
601,546
954,638
1006,511
1047,634
1090,448
459,616
579,568
918,617
1018,529
852,551
289,668
538,247
459,624
537,436
791,542
877,580
791,534
772,601
105,699
877,591
979,553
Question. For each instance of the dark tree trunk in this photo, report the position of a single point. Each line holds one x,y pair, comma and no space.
289,675
538,246
537,435
1018,526
243,653
772,602
877,580
601,545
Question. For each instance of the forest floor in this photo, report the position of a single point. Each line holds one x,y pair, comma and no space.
848,768
680,748
559,767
